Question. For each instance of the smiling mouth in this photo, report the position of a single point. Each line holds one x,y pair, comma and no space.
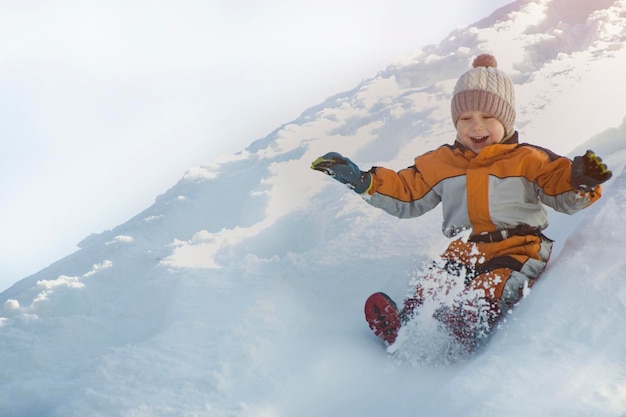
479,139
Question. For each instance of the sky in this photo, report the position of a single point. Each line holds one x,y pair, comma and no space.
105,104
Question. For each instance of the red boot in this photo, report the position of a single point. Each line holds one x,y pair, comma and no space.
382,316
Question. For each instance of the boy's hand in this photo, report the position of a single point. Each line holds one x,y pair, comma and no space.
343,170
588,171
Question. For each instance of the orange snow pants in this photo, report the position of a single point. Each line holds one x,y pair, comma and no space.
477,283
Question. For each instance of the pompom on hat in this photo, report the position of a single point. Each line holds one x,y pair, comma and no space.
485,88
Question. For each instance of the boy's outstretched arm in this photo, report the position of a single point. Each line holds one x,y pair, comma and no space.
588,171
343,170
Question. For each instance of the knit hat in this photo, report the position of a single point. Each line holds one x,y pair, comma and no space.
485,88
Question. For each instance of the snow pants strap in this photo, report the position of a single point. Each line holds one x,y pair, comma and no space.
500,235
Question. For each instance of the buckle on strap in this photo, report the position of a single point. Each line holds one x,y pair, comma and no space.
500,235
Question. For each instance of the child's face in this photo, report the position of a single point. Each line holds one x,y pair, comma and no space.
477,129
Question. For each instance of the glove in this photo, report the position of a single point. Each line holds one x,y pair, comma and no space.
588,171
343,170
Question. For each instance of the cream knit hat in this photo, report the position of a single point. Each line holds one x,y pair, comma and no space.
485,88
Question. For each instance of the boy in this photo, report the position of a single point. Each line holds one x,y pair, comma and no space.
492,188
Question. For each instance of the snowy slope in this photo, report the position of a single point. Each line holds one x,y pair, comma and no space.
240,291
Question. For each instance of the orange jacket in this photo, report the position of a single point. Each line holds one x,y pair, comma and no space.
503,186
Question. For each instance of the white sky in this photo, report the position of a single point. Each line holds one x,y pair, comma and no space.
105,103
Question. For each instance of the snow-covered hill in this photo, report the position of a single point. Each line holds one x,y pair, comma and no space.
240,291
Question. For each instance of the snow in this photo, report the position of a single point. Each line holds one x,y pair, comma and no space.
240,291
